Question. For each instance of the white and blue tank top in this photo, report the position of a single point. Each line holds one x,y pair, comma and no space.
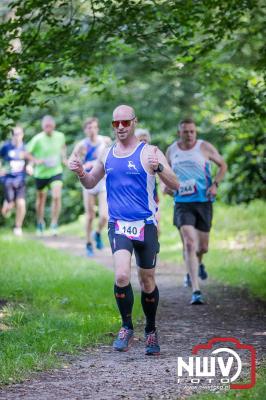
92,151
130,188
193,171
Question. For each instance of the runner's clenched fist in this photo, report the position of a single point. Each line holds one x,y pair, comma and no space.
153,160
75,165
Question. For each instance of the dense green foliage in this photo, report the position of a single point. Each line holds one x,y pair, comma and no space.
169,59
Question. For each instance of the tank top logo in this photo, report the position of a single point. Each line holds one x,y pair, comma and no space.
132,167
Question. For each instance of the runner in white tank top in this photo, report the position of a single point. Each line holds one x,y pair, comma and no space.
191,160
89,150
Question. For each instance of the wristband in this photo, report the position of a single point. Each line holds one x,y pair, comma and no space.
216,183
160,168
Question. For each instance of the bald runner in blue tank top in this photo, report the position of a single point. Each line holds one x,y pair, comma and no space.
130,169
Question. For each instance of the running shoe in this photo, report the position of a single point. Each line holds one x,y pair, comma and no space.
98,240
89,250
54,229
40,228
152,344
187,281
202,272
17,231
123,340
197,298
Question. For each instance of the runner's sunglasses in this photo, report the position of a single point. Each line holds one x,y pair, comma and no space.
125,123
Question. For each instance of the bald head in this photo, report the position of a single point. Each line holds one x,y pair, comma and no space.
123,112
125,123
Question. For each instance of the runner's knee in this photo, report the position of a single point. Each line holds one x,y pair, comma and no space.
90,216
189,245
147,283
41,197
56,197
103,219
203,249
122,279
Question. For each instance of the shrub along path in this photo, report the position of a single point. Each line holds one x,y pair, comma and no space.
101,373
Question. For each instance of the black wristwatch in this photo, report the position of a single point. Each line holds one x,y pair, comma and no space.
160,168
216,183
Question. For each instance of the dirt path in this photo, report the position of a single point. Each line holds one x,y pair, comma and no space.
101,374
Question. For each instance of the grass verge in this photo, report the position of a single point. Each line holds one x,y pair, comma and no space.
51,304
237,245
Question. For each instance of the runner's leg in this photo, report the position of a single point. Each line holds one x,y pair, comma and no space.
20,212
146,255
7,207
40,205
183,251
122,248
190,249
149,296
203,244
56,188
89,205
122,289
187,280
9,197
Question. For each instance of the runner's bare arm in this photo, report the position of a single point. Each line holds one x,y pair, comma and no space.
64,155
213,155
164,188
31,160
152,158
87,179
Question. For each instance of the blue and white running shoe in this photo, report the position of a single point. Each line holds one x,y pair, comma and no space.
152,344
123,340
197,298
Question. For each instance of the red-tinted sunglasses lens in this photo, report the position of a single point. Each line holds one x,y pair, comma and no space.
124,123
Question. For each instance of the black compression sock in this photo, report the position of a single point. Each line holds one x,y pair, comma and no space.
125,300
149,303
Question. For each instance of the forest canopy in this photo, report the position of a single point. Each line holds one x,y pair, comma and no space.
168,59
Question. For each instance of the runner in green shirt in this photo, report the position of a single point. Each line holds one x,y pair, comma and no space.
48,146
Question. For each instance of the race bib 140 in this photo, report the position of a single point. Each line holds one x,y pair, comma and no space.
134,230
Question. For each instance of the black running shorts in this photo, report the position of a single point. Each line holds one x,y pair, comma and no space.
145,252
42,183
196,214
